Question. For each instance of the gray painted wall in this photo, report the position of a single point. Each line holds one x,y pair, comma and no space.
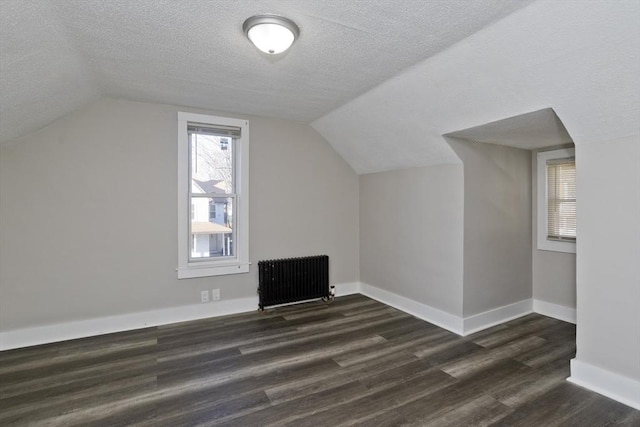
411,225
497,224
608,254
554,273
88,213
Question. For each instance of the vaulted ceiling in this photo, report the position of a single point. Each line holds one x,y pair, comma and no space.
58,54
381,80
580,58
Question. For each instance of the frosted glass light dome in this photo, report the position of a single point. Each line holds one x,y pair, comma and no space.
270,33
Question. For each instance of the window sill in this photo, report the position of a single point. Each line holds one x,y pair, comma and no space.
557,246
212,270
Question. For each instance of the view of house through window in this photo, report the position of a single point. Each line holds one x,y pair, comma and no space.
212,192
213,195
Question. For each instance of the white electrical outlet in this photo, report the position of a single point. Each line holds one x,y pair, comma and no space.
204,296
215,294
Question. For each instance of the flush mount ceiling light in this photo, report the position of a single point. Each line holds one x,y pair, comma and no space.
271,34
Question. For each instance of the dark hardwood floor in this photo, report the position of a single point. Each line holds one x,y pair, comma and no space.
352,362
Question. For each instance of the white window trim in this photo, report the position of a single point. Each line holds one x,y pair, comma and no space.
239,263
544,243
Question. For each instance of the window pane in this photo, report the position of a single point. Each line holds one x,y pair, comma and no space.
211,164
212,233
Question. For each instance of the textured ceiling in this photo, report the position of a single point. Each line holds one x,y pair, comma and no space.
42,76
57,55
538,129
581,58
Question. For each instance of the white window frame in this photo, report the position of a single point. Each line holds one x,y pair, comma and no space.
240,262
544,243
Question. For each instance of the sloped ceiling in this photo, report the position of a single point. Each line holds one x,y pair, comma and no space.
530,131
57,55
381,83
42,75
581,58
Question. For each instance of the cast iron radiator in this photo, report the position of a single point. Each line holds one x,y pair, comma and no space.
283,281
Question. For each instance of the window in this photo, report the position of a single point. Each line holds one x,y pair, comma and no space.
556,200
213,177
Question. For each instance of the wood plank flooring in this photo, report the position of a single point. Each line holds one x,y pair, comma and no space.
352,362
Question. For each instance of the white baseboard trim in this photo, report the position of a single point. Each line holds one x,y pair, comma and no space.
37,335
607,383
343,289
422,311
614,386
26,337
496,316
560,312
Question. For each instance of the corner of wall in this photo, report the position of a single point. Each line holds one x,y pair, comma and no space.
617,387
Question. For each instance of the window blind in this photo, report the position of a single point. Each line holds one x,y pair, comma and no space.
218,130
561,199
